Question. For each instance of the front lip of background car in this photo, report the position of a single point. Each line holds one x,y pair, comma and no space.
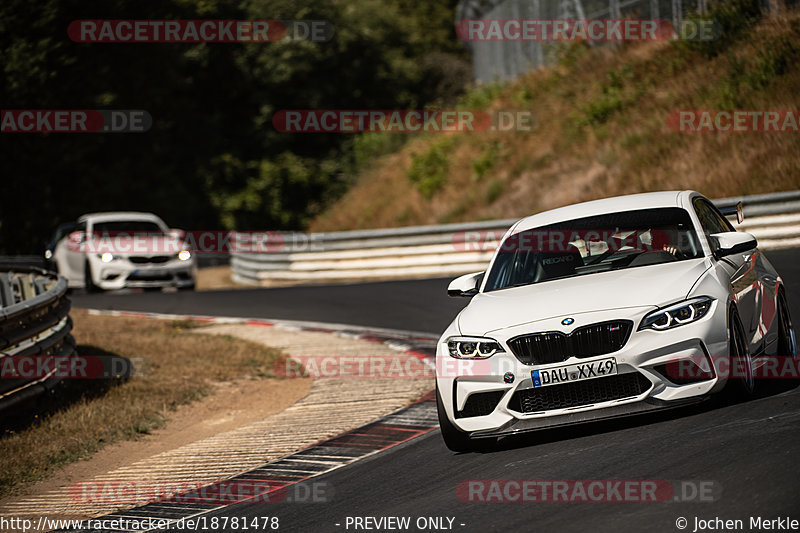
123,267
643,351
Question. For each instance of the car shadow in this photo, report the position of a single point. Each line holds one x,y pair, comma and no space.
765,389
67,392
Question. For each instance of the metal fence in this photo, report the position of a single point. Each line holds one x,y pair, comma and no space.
34,322
452,249
505,60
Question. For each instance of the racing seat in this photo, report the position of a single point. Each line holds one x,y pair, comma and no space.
551,265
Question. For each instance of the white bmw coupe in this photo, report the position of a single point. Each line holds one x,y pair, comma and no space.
610,308
123,249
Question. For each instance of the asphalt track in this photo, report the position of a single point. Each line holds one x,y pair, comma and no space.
747,452
419,305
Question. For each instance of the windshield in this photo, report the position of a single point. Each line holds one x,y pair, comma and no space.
589,245
131,227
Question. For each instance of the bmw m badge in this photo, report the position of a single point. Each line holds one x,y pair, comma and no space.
567,321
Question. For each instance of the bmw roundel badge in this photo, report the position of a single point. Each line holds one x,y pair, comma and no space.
568,321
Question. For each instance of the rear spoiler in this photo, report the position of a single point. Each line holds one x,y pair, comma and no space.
733,210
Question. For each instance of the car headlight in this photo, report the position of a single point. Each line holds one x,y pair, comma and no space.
473,347
107,257
677,314
184,255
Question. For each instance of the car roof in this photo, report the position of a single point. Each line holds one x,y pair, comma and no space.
119,215
630,202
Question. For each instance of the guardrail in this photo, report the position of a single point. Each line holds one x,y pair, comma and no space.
453,249
34,323
16,261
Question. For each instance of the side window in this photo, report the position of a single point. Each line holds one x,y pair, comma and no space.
711,220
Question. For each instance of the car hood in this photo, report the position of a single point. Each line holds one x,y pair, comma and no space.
646,286
139,245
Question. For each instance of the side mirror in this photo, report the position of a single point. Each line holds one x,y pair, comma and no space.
465,286
732,242
731,210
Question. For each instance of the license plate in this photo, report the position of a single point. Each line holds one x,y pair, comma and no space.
576,372
147,273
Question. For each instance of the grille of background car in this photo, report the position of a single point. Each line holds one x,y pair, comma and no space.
145,259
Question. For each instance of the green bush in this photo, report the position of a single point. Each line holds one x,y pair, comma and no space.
494,191
483,163
612,100
731,18
428,170
371,145
775,57
481,96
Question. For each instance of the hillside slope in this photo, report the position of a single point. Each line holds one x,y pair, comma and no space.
602,131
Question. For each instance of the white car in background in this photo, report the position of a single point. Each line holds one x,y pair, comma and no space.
118,250
606,309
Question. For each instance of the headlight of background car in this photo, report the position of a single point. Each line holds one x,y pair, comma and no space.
678,314
473,347
184,255
108,257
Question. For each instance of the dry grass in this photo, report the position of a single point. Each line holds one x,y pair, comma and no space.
216,277
601,132
179,366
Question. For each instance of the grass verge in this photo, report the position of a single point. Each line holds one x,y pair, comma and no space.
177,365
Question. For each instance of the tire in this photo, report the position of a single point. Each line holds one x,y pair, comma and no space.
741,378
455,439
87,279
187,287
787,343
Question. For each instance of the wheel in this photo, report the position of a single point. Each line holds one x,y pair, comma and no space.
787,344
741,379
455,439
87,279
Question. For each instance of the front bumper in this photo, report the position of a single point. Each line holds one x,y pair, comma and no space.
122,274
648,405
643,356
